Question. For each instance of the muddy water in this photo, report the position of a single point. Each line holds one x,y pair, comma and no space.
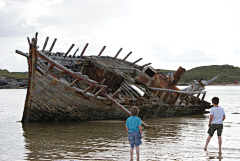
176,138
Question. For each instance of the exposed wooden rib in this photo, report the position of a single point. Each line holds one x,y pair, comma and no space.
183,99
127,90
69,50
203,98
189,99
99,83
28,40
74,55
118,52
74,82
99,91
101,51
175,99
146,65
118,90
127,56
50,50
84,49
137,61
45,44
162,96
87,89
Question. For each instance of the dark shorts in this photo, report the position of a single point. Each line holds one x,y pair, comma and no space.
134,138
214,127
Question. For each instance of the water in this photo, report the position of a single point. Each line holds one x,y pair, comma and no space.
176,138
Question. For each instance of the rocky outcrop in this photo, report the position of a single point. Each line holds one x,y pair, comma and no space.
12,83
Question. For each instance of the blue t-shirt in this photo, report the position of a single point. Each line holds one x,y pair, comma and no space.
132,123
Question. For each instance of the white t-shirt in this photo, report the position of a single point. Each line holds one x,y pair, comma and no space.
217,113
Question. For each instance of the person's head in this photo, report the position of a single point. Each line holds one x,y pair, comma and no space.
215,100
134,111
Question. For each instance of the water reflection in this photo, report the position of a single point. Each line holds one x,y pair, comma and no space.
74,140
175,138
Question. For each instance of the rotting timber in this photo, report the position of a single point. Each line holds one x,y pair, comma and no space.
65,87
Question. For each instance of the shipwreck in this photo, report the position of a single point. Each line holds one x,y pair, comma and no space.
64,87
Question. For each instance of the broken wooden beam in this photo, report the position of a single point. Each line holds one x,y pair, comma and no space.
146,65
84,49
137,61
118,53
127,56
45,44
69,50
74,55
101,51
50,50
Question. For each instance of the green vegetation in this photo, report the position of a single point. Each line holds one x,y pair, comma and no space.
15,75
227,73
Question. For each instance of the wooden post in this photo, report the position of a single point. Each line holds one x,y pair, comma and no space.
127,56
53,44
87,89
118,52
28,41
137,61
94,90
116,92
74,55
146,65
45,44
203,98
189,99
69,50
74,82
99,91
101,51
176,98
183,98
84,49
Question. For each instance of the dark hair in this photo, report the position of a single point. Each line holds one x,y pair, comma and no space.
134,111
215,100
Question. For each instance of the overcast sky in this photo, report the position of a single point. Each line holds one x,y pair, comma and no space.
168,33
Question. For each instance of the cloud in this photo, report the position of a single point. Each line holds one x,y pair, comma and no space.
2,5
187,57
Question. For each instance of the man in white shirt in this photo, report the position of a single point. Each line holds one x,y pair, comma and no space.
217,116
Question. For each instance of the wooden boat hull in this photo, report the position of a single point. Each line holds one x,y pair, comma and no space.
58,93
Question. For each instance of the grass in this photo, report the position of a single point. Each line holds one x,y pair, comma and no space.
227,73
15,75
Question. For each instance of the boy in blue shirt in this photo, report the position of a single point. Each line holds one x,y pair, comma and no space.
134,129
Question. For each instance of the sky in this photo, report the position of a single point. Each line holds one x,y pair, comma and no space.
167,33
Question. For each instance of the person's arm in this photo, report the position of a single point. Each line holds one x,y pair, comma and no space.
140,130
127,129
224,117
210,120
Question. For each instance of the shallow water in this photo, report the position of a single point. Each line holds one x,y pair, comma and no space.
176,138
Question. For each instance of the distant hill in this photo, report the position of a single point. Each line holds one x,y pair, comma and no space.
227,73
14,75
